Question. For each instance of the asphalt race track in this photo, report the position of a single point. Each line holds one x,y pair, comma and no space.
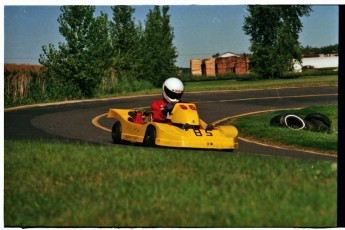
85,121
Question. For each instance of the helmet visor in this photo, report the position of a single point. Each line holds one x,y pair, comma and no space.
172,95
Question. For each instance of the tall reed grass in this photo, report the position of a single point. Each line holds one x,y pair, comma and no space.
28,84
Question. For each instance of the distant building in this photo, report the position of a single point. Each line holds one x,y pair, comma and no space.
323,62
220,64
228,54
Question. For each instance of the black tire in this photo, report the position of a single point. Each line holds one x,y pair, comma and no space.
275,121
320,117
292,121
310,126
150,136
320,126
116,133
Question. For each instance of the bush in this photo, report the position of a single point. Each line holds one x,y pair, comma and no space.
321,72
112,85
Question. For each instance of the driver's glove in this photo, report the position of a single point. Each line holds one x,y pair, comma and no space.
168,108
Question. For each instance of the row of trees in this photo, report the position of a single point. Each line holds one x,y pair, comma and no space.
312,51
121,49
97,47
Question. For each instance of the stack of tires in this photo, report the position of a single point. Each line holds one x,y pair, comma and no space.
316,122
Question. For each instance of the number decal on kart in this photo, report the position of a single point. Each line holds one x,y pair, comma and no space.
208,133
199,134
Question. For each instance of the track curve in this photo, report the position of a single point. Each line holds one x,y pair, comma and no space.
72,121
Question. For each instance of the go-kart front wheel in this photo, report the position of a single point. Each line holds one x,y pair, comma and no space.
150,136
116,133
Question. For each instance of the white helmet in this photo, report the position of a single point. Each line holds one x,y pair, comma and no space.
172,89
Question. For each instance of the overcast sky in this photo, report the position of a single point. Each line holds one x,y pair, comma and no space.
200,30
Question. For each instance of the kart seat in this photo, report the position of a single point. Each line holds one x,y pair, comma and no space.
139,117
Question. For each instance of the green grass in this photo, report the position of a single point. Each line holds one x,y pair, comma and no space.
214,85
257,127
64,184
307,81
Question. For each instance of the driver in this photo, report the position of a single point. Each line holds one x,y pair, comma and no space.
172,91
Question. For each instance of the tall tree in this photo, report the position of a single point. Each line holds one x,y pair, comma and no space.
160,52
125,43
76,64
99,44
274,32
169,55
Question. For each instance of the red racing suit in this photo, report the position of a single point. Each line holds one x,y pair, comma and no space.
157,109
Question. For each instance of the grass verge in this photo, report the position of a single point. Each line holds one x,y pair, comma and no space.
195,86
307,81
62,184
257,127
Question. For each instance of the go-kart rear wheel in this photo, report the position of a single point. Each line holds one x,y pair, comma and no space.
116,133
150,136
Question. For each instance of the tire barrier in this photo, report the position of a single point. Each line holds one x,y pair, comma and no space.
316,122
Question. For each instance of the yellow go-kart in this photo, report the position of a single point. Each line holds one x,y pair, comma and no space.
186,129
